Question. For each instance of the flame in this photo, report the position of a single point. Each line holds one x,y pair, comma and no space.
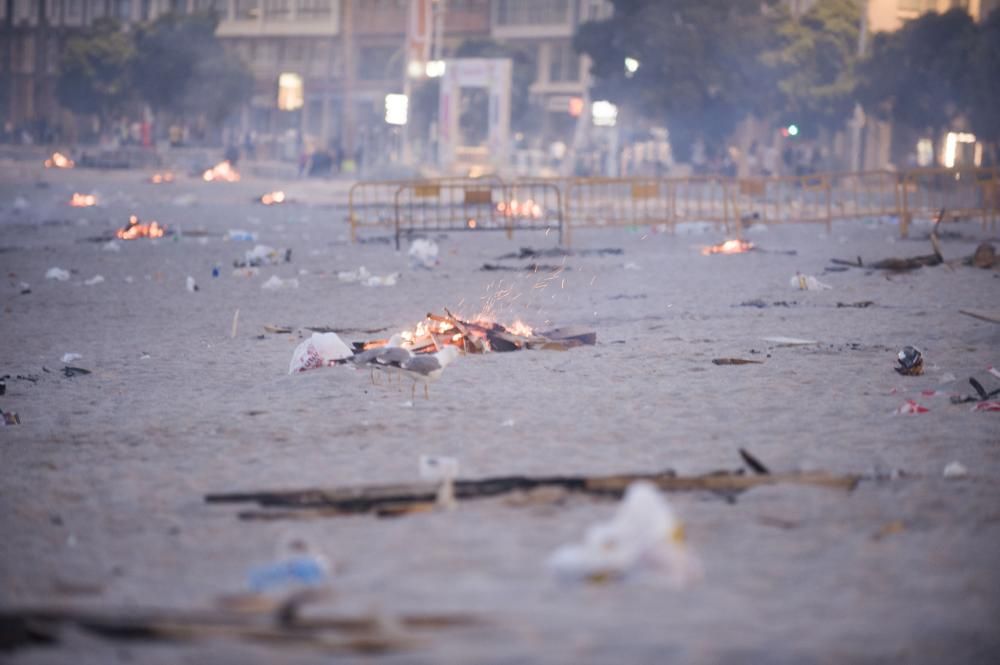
136,230
59,161
520,328
471,223
83,200
272,198
221,171
517,208
161,178
729,247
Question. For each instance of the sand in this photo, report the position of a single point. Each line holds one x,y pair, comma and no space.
103,482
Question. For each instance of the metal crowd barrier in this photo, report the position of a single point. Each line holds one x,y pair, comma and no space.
371,203
605,202
705,199
477,206
961,192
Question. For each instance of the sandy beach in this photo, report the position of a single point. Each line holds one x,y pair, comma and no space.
102,484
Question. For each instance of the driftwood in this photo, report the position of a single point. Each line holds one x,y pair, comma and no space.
910,263
21,628
735,361
401,499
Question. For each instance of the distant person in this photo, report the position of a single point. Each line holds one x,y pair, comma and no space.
249,149
232,155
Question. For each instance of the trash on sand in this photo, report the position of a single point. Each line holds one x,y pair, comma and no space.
57,274
192,285
278,330
442,470
735,361
262,255
861,304
985,256
296,571
362,276
911,361
789,341
912,408
10,418
111,246
423,253
25,288
631,266
246,272
808,283
955,470
70,372
993,316
994,371
982,395
275,283
987,406
644,534
70,357
320,350
95,280
240,234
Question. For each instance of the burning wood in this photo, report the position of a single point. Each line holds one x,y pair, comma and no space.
728,247
59,161
161,178
82,200
223,171
272,198
135,230
516,208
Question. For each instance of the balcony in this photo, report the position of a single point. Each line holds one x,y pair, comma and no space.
525,19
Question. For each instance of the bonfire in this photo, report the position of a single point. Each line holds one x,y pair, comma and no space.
272,198
137,229
729,247
161,178
223,171
59,161
517,208
82,200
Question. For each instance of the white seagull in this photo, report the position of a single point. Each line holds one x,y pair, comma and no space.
428,367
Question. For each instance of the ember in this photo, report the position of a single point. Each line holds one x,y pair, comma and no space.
161,178
222,171
729,247
83,200
59,161
135,230
273,198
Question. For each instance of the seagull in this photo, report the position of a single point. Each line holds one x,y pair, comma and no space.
428,367
378,358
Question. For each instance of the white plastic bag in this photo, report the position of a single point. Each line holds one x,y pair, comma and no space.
320,350
423,253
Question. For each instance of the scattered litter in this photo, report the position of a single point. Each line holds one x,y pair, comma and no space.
192,285
507,423
442,470
631,266
423,253
294,572
57,274
246,272
10,418
955,470
95,280
987,406
25,288
531,267
240,234
808,283
361,275
278,330
320,350
912,408
21,203
789,341
735,361
985,256
111,246
761,304
644,534
70,357
275,283
862,304
911,361
70,372
262,255
948,377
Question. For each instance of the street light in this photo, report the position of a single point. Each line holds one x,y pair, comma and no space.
435,69
631,67
604,113
396,109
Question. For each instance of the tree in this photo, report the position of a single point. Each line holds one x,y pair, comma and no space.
181,68
94,70
916,76
701,67
816,64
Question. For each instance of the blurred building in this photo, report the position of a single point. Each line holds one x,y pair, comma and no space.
889,15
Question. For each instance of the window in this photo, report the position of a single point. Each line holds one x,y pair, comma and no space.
564,64
277,9
247,10
24,10
314,9
72,12
532,12
373,63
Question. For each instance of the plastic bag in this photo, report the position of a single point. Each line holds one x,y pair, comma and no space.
320,350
